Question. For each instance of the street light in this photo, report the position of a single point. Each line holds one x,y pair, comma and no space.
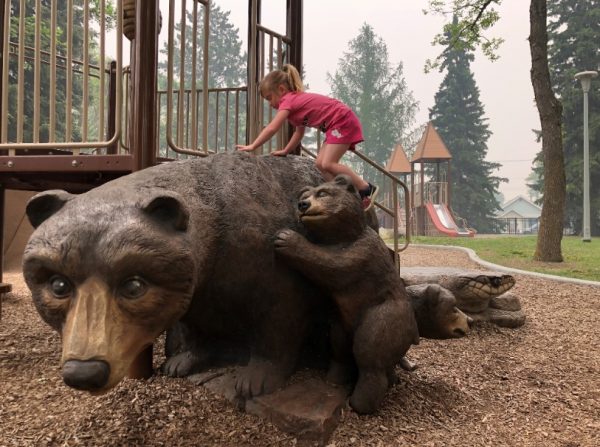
586,80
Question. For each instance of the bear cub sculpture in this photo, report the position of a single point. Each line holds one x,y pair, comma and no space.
375,324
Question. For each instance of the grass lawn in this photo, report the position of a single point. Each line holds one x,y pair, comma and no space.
581,259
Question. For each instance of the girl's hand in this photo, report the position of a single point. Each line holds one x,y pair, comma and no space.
279,153
245,148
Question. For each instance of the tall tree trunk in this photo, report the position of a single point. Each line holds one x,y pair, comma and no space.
550,110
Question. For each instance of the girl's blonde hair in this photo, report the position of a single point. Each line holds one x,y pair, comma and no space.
287,76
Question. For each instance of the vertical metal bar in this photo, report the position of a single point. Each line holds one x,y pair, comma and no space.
112,106
205,76
187,118
294,22
181,76
252,100
237,116
69,75
217,123
295,16
194,117
86,69
5,59
21,73
144,83
226,119
37,73
102,74
52,94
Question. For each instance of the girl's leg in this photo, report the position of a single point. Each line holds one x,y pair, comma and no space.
328,163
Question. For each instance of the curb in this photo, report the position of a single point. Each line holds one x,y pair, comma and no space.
473,256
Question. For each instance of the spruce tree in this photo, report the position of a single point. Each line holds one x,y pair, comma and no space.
367,82
458,116
574,33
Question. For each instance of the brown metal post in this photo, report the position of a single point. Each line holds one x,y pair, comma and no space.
253,103
112,108
143,108
144,83
294,32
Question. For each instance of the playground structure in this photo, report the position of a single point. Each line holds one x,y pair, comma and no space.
80,103
430,213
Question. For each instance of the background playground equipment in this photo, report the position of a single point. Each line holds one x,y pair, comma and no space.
430,213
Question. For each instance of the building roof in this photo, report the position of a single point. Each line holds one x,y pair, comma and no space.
519,207
398,162
431,147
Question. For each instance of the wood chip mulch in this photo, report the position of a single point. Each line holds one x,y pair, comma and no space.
538,385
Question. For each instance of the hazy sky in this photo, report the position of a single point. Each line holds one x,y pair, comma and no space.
505,87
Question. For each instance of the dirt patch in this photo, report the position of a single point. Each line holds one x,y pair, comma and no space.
536,385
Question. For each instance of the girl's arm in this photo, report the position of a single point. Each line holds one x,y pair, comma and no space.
266,134
293,143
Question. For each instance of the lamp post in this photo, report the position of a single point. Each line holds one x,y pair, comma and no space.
586,80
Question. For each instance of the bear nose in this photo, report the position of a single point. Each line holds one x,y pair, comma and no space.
303,205
86,375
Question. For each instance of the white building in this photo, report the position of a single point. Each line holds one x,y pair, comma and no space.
518,216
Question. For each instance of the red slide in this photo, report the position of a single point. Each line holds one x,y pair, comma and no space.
443,221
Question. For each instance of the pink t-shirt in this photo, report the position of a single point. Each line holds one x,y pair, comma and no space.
313,110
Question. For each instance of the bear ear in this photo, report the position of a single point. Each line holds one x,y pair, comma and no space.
168,208
43,205
432,292
346,181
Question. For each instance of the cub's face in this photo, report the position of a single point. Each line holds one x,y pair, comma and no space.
109,278
332,210
444,319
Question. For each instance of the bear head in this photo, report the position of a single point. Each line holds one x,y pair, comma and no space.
436,312
332,212
101,274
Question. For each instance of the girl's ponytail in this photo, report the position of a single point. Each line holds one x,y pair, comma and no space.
294,80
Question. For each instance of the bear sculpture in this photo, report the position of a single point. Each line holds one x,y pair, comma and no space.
187,243
375,324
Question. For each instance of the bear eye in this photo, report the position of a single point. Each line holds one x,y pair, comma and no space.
322,193
133,287
60,286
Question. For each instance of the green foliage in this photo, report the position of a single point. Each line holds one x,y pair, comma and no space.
474,19
581,259
574,33
29,15
226,68
458,116
367,82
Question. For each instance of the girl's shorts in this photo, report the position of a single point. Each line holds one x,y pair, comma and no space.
346,130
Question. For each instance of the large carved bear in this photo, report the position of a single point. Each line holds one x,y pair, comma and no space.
376,323
113,268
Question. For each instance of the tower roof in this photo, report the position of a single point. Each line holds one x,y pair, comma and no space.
398,162
431,146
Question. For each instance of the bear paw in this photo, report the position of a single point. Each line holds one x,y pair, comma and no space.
369,392
287,239
183,364
259,377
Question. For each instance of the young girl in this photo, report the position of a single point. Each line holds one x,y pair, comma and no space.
284,91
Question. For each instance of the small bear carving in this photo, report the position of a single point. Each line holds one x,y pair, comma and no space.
375,324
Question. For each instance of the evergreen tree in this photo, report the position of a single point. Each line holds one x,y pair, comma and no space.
574,33
367,82
458,116
226,68
29,14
